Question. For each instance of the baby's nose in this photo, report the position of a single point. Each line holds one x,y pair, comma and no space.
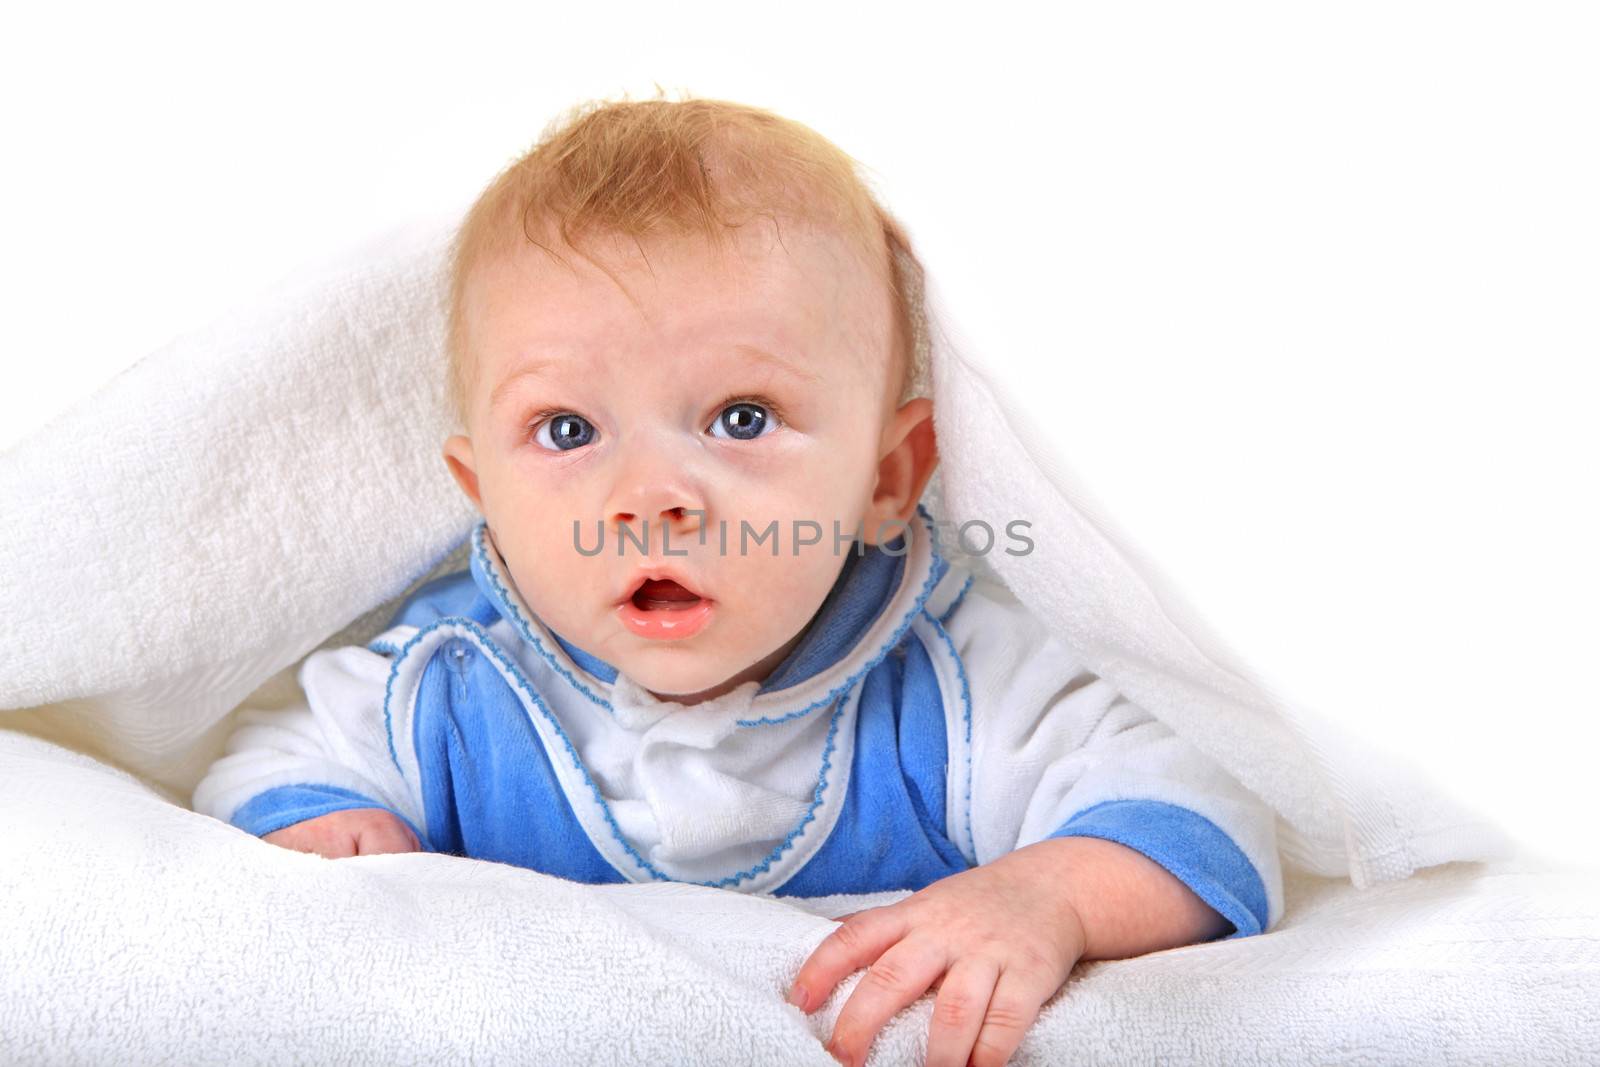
678,511
675,516
669,530
655,489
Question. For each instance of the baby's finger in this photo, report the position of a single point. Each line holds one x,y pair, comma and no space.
958,1010
895,979
850,947
1017,997
389,835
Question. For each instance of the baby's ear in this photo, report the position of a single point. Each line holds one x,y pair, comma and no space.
910,453
458,457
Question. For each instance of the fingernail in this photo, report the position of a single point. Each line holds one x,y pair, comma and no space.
797,997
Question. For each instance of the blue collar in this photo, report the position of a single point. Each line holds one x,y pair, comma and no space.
866,584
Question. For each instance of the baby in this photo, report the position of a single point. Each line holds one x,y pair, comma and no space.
707,632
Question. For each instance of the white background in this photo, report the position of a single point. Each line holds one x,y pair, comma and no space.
1311,295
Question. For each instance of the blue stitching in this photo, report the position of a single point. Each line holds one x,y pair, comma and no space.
388,691
481,548
956,603
966,705
490,647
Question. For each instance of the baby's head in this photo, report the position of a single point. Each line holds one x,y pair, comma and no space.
687,321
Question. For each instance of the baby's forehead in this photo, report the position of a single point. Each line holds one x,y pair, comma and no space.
793,291
783,303
799,253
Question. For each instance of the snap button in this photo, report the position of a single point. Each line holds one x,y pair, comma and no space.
458,655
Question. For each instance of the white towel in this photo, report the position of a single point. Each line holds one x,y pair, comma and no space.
133,931
211,516
272,484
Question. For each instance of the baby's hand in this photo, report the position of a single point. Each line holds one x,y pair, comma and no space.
352,832
1002,936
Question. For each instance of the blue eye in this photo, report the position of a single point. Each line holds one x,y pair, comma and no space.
743,421
564,432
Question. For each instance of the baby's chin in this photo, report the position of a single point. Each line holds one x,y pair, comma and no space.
693,671
679,674
678,688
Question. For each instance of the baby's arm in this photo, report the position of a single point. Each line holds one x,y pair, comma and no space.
1125,903
315,774
1096,832
1176,820
1058,753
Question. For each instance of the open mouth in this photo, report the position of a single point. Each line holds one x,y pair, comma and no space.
664,594
664,609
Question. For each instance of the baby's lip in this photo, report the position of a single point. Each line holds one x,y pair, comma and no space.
659,574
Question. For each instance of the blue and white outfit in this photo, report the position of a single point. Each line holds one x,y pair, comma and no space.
924,724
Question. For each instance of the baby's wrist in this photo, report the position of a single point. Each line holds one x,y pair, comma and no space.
1064,881
1070,920
1125,904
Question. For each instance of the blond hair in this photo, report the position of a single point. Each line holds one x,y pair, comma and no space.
641,168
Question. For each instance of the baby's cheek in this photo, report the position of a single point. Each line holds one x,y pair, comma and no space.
790,588
555,592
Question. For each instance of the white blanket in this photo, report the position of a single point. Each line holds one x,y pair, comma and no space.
175,938
272,484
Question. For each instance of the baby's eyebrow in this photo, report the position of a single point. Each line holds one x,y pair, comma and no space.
538,367
779,362
531,368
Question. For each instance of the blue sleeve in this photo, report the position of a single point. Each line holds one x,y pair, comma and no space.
285,805
1189,845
